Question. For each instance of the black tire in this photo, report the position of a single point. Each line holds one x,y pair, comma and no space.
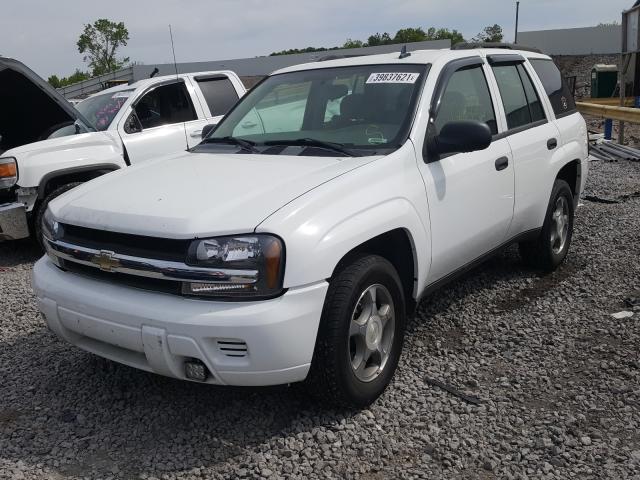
37,221
540,253
331,378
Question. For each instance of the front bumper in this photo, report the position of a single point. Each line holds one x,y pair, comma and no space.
13,221
267,342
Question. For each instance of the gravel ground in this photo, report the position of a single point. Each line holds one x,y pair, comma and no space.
557,376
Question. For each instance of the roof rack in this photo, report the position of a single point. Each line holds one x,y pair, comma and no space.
506,46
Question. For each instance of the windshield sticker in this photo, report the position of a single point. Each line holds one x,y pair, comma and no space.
393,77
121,95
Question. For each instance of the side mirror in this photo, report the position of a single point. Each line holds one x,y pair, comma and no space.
207,129
132,124
461,137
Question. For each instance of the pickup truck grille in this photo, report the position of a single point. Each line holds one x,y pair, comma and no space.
127,244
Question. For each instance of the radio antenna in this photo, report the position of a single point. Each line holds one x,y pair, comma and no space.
175,65
173,49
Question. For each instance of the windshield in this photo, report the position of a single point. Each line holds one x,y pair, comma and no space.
101,109
361,109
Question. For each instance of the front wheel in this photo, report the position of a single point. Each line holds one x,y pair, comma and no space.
550,249
361,333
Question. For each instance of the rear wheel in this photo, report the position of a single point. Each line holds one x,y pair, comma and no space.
37,222
361,333
550,249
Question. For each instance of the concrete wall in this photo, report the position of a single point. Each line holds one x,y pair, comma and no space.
575,41
261,66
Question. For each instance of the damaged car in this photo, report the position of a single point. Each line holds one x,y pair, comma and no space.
48,147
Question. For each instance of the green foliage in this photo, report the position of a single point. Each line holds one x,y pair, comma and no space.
409,35
377,39
100,42
492,33
76,77
404,35
444,34
353,43
293,51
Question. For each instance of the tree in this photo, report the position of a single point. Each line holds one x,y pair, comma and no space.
100,42
408,35
54,81
443,34
378,39
353,43
76,77
492,33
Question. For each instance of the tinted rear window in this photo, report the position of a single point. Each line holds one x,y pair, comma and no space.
561,98
219,93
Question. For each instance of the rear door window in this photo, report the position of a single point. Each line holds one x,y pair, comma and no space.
556,88
219,93
522,105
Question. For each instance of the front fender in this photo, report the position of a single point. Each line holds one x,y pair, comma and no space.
41,159
324,225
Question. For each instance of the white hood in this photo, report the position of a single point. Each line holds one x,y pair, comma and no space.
35,160
193,195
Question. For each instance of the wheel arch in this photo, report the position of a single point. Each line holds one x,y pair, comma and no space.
57,178
398,247
571,172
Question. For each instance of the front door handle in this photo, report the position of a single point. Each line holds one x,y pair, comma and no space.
502,163
196,134
552,143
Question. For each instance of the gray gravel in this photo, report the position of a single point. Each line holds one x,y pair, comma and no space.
558,378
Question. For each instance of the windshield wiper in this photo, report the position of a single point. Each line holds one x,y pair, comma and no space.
312,142
245,144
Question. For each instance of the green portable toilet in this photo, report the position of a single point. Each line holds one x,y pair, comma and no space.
604,79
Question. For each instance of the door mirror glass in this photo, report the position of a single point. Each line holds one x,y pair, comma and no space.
207,129
461,136
132,124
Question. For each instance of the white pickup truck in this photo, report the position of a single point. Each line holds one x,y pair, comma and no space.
47,147
294,241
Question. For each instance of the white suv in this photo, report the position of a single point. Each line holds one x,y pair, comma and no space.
294,241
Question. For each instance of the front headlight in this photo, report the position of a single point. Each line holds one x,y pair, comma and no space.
51,229
8,172
250,266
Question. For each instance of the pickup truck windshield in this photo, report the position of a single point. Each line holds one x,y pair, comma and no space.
101,109
342,110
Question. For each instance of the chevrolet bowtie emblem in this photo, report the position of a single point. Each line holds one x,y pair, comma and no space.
106,261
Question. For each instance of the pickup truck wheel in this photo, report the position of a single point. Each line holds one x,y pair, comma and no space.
550,249
37,224
361,334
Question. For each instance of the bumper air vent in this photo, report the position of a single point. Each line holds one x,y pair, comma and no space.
233,348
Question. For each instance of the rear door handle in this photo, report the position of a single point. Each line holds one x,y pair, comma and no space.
552,143
502,163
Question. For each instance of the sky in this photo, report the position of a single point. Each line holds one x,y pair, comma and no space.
43,34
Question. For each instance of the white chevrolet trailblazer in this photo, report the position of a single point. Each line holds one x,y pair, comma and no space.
294,241
48,147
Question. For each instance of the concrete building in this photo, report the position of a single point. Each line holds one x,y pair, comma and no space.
575,41
249,69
